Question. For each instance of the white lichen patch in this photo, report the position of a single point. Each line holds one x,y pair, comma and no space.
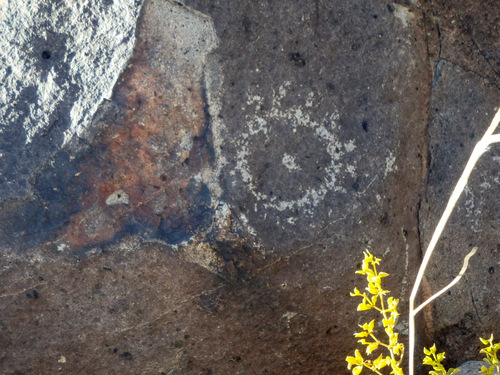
61,247
289,315
301,123
241,165
254,99
485,185
257,125
186,143
309,101
472,209
289,162
390,164
351,169
282,89
350,146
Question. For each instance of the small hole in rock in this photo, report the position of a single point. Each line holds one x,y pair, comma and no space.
127,356
33,294
364,125
46,55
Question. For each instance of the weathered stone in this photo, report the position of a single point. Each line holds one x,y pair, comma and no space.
149,142
463,101
210,218
468,37
59,60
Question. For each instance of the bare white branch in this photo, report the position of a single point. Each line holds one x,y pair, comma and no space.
480,148
454,281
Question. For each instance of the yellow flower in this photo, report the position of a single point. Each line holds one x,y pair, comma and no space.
374,298
357,360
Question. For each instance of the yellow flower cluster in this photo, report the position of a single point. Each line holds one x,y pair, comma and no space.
376,298
491,357
434,360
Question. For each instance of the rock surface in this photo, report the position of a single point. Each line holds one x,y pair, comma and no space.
472,368
58,62
210,217
464,98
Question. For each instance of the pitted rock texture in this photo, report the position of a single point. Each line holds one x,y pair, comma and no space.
58,61
462,109
468,37
211,216
141,168
464,99
311,148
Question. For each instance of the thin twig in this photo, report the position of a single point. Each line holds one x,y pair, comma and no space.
480,148
455,280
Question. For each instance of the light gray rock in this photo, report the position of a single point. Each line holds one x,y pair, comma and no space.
472,368
58,61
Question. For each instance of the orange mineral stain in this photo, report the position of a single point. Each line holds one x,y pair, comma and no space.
151,155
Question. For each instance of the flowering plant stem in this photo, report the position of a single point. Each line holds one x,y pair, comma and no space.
376,298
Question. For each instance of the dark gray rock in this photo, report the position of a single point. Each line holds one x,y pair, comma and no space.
464,98
211,217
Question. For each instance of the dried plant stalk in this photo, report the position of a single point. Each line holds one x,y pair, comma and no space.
480,148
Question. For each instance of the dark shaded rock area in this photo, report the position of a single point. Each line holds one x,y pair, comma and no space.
211,218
